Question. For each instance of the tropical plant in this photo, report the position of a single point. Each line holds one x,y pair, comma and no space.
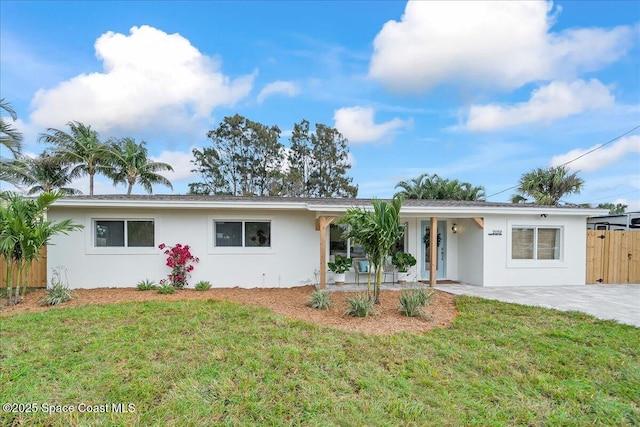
166,288
130,164
41,174
340,265
80,148
360,306
403,261
59,290
377,231
547,186
410,304
180,260
320,299
428,186
24,230
424,296
146,285
202,286
10,137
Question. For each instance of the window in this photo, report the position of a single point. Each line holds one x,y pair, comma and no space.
242,234
338,245
535,243
124,233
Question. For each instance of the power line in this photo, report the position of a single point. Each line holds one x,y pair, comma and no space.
579,157
600,146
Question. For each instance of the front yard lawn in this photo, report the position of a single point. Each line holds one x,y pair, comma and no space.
219,363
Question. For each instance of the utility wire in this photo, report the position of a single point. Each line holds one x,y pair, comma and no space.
579,157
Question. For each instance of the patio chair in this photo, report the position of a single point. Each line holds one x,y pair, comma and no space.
388,269
361,268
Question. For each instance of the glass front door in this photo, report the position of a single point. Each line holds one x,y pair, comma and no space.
441,259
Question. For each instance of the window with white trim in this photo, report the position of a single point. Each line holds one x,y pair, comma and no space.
535,243
242,234
124,233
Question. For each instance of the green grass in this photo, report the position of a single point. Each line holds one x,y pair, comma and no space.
217,363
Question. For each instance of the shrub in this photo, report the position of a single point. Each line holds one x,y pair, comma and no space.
413,301
320,299
59,290
146,285
202,286
180,261
410,304
166,288
360,306
424,296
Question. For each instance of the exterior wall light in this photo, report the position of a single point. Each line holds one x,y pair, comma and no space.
454,229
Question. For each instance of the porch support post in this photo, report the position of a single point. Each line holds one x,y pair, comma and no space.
433,253
321,224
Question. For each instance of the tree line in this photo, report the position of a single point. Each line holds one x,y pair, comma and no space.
245,158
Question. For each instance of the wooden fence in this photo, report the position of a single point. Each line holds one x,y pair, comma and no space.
37,275
613,256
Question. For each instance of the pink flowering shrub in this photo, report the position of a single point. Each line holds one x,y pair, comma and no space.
180,261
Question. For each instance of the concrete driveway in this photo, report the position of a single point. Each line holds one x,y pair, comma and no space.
615,302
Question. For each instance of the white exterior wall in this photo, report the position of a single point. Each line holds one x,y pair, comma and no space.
470,252
501,270
291,260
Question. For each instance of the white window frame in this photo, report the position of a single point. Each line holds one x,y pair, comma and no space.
91,247
239,250
542,263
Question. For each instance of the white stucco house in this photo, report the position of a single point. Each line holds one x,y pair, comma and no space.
276,242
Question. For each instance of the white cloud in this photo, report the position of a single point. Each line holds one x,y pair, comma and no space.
546,104
599,158
148,76
181,163
496,44
289,89
357,125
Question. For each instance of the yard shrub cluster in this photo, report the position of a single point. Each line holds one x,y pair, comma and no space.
146,285
202,286
180,261
320,299
413,301
59,290
166,288
360,306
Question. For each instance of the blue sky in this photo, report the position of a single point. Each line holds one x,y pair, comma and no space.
481,92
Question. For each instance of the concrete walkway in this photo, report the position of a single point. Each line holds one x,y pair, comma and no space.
615,302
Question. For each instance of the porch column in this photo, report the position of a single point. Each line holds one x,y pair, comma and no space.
321,224
433,252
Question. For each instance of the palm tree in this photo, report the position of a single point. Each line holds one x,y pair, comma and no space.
24,230
42,174
9,135
548,186
130,164
377,231
81,148
428,186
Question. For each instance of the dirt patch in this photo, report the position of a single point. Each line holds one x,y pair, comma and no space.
290,302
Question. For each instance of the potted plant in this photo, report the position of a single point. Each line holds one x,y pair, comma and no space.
403,262
340,266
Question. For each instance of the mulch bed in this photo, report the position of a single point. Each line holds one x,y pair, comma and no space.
289,302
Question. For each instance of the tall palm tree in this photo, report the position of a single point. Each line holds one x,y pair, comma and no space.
428,186
130,164
81,148
547,186
43,174
377,231
9,135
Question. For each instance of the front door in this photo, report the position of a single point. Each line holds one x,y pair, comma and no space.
441,260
